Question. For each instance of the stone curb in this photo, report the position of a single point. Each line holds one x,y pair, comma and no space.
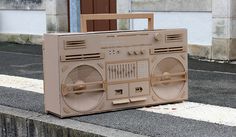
21,123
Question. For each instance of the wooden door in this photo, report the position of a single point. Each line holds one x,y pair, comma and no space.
99,6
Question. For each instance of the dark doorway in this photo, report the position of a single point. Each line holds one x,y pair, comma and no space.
99,6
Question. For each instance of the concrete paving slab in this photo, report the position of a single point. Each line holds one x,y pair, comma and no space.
155,124
135,121
198,111
22,83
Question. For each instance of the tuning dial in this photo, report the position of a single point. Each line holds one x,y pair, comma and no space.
157,36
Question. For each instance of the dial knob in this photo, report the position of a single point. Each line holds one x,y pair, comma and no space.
157,36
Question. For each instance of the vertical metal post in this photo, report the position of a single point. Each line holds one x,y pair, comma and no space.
74,15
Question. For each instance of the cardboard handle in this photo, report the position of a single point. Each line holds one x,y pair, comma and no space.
85,17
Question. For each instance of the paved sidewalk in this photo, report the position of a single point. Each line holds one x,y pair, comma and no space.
210,83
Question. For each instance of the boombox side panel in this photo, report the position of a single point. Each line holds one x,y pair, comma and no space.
186,93
51,74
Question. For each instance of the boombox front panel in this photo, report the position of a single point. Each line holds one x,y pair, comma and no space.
99,72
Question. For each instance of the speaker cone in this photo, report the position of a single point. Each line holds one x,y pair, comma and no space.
83,88
168,78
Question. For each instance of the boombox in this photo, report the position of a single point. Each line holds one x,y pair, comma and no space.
86,73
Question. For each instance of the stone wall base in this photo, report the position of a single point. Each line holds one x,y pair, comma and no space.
21,38
200,51
221,49
224,49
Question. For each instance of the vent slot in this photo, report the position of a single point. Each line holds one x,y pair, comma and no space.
166,50
121,71
174,38
76,44
76,57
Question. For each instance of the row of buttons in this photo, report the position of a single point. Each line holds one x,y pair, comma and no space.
137,52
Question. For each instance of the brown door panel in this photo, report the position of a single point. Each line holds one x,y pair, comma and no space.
113,23
99,6
86,7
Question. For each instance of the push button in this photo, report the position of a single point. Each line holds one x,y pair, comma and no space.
142,52
136,52
130,52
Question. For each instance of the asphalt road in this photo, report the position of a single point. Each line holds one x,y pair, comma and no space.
205,86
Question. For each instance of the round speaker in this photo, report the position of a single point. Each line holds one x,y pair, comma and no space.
168,78
86,81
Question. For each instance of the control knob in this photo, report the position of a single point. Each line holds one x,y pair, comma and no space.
157,36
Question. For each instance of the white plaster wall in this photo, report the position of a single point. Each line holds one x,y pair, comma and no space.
199,24
22,22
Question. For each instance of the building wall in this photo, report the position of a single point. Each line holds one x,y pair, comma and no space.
22,20
195,15
210,23
22,4
29,16
199,25
171,5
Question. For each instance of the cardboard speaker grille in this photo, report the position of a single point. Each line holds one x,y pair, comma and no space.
88,73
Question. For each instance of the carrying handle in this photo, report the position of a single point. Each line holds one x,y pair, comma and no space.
85,17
